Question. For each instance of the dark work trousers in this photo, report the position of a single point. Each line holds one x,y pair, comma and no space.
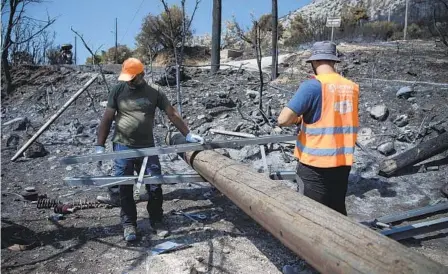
122,167
327,186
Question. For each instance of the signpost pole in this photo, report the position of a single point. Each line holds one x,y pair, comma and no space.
332,33
333,22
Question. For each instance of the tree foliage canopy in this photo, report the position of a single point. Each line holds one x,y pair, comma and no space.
108,56
156,32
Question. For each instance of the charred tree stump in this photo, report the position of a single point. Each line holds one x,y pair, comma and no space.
414,155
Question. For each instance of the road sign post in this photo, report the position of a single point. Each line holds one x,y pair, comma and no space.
333,22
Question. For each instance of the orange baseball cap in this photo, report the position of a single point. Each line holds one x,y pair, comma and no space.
131,67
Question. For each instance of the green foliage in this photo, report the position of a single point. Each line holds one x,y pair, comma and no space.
156,33
299,31
302,30
415,31
123,53
382,30
98,59
352,16
264,25
360,13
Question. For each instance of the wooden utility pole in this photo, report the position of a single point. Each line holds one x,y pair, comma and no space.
116,40
75,49
274,71
406,20
326,239
216,35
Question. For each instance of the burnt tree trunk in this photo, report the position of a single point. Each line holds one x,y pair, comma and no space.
6,44
216,35
274,70
259,56
7,72
414,155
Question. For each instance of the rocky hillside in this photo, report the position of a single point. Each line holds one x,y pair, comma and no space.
376,9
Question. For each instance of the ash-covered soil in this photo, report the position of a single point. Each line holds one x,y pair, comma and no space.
228,241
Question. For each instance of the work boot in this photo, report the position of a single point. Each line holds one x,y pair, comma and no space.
159,227
112,200
130,233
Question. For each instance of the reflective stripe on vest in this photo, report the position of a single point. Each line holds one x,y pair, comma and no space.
329,130
325,151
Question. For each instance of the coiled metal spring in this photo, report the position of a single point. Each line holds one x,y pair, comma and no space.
47,203
52,203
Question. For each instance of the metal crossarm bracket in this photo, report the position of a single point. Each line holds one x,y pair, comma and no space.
283,175
130,180
159,179
408,231
140,177
401,216
135,153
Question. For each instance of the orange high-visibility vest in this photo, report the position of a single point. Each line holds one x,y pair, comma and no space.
330,142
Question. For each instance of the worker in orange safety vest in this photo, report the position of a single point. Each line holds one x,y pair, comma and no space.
326,110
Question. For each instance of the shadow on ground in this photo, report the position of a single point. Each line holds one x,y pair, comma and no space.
359,185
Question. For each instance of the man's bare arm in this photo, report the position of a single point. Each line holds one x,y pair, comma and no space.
288,118
178,122
104,128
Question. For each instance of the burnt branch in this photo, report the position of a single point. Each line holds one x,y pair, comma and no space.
93,54
445,3
34,35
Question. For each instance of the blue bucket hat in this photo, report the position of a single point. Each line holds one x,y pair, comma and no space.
324,51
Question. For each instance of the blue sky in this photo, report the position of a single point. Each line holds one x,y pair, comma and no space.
95,19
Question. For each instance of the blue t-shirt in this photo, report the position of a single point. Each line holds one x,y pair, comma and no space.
308,101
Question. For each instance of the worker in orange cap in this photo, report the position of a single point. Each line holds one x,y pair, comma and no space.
132,104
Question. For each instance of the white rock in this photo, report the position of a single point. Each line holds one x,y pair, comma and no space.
30,189
252,93
52,158
379,112
386,148
163,234
278,130
401,120
365,136
405,92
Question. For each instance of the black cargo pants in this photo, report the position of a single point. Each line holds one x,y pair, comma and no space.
327,186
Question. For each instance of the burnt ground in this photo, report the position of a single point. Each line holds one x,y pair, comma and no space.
228,241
